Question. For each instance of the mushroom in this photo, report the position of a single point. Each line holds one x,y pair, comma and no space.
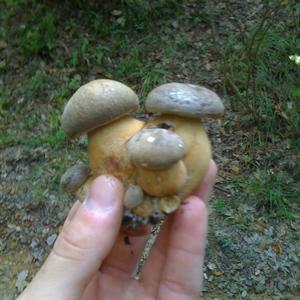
74,177
159,161
155,148
100,109
181,107
134,196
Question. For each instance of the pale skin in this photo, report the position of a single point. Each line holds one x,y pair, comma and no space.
90,259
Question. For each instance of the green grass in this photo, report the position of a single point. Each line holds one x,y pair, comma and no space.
56,139
260,78
220,205
273,193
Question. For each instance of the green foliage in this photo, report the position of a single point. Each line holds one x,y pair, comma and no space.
142,15
258,74
36,83
37,35
219,205
273,193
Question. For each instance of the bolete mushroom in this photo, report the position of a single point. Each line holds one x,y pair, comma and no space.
159,161
100,109
74,177
155,148
181,108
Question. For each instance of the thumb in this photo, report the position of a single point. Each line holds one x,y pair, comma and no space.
87,237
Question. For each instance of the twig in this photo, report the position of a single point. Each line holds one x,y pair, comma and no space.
222,189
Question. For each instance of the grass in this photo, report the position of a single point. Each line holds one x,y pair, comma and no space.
258,74
273,193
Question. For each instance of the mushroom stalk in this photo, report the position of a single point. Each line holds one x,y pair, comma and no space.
198,150
107,148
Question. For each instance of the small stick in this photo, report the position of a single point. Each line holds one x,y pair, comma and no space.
147,249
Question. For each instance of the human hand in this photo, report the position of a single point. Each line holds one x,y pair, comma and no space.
90,259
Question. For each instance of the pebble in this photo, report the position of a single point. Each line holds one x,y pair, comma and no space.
244,294
211,266
21,280
51,239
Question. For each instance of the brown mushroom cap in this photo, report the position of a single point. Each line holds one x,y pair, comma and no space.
155,148
95,104
186,100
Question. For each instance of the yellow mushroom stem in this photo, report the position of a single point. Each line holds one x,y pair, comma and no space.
162,183
107,150
198,150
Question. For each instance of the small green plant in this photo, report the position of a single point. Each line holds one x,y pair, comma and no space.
272,193
36,83
219,205
225,243
39,194
38,35
261,75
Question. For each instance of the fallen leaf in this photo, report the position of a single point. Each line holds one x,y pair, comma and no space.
3,45
217,273
277,248
236,169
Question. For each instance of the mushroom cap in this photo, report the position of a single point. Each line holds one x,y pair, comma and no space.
74,177
155,148
97,103
133,196
186,100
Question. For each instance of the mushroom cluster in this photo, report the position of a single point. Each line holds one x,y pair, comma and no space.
160,160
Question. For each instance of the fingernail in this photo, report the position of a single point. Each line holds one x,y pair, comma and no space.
104,194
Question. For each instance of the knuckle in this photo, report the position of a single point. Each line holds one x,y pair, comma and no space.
70,245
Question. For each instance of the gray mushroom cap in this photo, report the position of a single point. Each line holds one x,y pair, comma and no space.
186,100
95,104
155,148
74,177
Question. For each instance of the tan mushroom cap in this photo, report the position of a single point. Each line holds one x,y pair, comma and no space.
155,148
186,100
97,103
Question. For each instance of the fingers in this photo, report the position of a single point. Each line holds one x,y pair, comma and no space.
205,188
162,251
86,239
115,277
182,273
122,259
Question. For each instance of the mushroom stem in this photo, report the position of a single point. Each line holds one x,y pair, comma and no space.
197,146
107,150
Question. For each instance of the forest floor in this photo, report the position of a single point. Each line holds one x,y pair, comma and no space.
49,48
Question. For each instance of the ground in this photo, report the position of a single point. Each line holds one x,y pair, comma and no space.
49,48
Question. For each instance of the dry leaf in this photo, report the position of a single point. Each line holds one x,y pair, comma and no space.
277,248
